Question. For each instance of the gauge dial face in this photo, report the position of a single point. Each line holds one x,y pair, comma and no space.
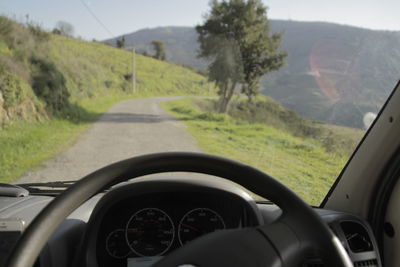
116,244
198,222
150,232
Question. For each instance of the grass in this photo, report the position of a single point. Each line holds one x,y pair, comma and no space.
93,69
301,163
24,144
336,139
90,76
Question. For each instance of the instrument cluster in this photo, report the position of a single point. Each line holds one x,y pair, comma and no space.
151,232
155,224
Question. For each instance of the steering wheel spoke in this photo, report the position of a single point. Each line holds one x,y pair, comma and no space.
239,247
286,242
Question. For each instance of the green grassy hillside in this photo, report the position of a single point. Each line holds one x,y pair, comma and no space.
305,156
52,87
94,68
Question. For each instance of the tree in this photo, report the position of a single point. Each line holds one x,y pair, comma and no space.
121,42
64,28
158,46
236,38
226,70
56,31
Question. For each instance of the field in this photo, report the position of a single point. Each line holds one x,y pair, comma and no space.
302,163
52,87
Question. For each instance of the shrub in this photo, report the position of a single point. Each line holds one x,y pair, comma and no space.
108,83
128,77
49,85
6,27
211,116
40,34
56,31
12,89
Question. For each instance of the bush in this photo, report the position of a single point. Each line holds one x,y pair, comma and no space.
56,31
108,83
40,34
6,27
271,113
12,89
211,116
183,110
49,85
128,77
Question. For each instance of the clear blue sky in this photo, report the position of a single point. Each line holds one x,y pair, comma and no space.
125,16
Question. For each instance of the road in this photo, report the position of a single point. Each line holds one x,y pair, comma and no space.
130,128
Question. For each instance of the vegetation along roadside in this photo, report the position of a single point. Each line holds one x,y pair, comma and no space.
294,153
53,86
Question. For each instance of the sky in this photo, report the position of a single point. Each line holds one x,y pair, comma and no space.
103,19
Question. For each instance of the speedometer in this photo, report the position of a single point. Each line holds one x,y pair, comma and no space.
150,232
198,222
116,244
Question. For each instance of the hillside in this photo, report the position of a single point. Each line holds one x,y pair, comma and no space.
304,155
332,70
53,86
181,44
34,63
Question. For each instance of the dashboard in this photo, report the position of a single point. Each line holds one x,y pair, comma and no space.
137,223
155,224
144,221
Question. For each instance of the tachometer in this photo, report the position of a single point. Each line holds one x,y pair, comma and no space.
198,222
150,232
116,244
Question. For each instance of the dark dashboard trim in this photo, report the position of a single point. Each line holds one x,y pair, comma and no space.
382,195
271,212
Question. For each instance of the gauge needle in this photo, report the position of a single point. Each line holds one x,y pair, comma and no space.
190,227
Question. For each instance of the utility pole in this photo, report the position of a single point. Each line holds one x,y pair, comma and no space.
133,70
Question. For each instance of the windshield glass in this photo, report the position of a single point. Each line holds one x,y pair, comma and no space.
287,87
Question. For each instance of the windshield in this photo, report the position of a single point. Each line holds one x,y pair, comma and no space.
285,87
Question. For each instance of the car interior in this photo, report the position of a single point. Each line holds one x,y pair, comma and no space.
195,209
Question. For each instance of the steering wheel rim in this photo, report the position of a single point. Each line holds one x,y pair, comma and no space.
296,213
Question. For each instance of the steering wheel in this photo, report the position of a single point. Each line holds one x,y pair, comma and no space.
299,231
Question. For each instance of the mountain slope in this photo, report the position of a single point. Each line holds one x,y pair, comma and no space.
335,73
181,44
332,70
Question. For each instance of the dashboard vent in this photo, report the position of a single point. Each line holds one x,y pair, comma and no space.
357,237
368,263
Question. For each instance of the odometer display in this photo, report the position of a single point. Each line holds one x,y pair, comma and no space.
150,232
198,222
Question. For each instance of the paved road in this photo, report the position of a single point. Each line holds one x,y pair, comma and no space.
130,128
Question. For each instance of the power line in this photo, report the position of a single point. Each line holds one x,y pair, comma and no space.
97,19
